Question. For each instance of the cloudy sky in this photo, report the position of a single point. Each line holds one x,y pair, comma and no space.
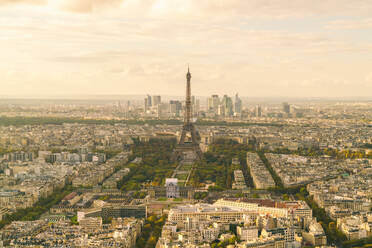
290,48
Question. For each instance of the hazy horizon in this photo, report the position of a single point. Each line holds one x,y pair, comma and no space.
140,97
263,49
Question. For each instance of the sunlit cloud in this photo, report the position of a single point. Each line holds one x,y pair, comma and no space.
138,46
31,2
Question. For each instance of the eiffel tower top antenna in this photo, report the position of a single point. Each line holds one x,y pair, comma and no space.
188,97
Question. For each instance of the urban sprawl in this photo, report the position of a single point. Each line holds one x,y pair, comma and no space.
272,174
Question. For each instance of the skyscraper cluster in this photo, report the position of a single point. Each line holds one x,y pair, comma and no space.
152,102
286,108
153,106
175,108
224,107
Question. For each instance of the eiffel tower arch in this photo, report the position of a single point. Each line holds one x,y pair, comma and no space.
188,146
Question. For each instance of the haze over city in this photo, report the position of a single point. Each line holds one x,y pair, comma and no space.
258,48
186,123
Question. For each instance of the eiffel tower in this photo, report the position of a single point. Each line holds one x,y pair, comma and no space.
188,146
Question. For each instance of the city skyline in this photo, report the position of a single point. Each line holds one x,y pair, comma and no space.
271,49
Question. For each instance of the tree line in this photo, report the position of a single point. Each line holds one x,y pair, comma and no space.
151,232
331,152
156,164
216,164
29,120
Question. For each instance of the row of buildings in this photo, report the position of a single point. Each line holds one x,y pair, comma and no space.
89,232
112,182
262,178
347,200
296,170
24,183
242,223
239,180
92,175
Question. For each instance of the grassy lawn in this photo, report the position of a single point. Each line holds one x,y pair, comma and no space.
182,176
187,167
